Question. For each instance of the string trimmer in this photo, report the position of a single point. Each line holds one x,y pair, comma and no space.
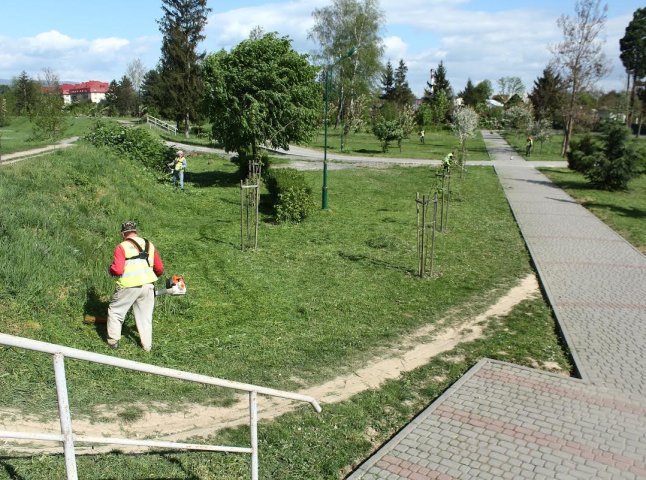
175,285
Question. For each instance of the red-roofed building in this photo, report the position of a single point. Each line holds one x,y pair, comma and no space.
90,91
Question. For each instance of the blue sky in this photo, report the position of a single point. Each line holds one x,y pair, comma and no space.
477,39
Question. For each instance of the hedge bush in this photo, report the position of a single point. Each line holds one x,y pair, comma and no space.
136,143
289,194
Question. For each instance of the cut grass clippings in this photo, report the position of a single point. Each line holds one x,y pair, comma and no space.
313,302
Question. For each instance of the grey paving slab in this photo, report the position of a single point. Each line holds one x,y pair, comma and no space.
587,270
506,421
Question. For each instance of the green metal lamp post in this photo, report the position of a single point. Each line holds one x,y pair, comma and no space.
328,69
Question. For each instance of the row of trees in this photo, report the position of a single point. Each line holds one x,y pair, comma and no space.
188,86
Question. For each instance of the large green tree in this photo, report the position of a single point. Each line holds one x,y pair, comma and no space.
47,115
633,54
181,27
338,28
261,93
26,92
476,95
548,95
153,96
510,86
579,56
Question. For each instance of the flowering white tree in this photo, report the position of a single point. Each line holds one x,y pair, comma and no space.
541,130
519,118
465,122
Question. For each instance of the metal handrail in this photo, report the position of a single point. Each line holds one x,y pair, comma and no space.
161,124
67,436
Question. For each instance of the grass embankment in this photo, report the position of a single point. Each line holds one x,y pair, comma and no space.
437,144
313,302
17,136
623,211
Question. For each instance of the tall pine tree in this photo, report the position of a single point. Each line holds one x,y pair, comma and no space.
403,95
439,83
548,95
388,82
182,26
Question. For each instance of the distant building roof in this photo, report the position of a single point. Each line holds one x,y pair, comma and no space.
494,103
91,86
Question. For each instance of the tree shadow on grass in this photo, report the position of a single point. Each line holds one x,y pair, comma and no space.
630,212
10,469
368,151
214,178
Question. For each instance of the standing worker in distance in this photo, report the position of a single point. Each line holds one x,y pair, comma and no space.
137,265
179,165
448,160
529,146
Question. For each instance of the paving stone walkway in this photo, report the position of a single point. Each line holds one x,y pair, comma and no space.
505,421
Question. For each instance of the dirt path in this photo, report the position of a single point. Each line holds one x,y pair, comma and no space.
199,421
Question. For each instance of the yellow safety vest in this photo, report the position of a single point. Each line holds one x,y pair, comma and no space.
138,271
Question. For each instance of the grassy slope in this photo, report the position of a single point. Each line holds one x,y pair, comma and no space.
623,211
313,300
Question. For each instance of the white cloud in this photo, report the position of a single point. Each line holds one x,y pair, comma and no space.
394,49
293,19
74,59
50,42
108,46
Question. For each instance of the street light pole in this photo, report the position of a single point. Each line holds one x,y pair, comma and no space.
328,70
327,93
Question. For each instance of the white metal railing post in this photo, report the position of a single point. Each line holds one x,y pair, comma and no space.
253,427
67,437
65,416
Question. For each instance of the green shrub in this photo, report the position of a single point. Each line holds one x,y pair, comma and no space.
242,160
136,143
608,161
289,194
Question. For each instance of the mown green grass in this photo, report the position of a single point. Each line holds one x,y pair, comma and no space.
305,445
623,211
437,144
17,136
550,150
312,302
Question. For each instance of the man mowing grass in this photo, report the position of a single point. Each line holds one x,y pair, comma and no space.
136,264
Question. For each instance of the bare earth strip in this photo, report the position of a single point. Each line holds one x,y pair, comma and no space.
191,421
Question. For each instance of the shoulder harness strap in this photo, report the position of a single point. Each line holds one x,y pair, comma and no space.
143,253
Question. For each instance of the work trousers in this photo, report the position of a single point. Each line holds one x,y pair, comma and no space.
142,301
178,177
